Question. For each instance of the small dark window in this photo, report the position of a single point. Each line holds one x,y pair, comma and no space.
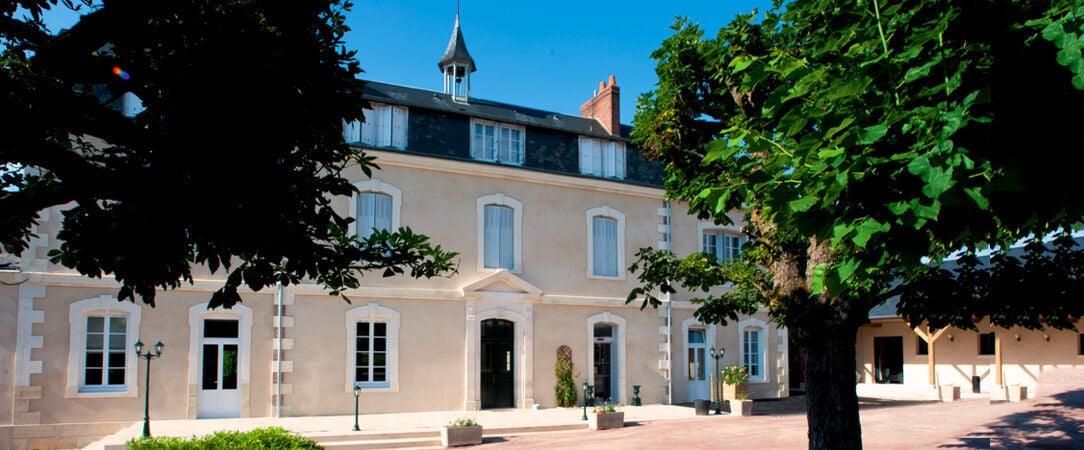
1080,348
219,328
986,343
923,347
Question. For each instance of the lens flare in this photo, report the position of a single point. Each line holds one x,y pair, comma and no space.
121,73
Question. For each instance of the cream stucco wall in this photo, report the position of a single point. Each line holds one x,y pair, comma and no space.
957,358
9,308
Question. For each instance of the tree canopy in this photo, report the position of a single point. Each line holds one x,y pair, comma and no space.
865,141
232,163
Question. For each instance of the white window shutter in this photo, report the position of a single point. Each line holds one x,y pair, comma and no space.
507,239
399,127
476,142
504,145
585,155
619,160
351,131
383,124
368,133
596,157
608,159
366,214
604,246
382,212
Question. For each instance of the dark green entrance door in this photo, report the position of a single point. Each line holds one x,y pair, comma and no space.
497,358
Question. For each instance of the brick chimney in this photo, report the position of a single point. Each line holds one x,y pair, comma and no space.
605,106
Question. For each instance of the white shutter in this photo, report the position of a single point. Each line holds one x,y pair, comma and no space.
366,214
585,155
516,145
383,126
508,246
608,159
476,142
381,211
351,131
619,160
596,157
492,234
489,152
399,127
604,246
368,134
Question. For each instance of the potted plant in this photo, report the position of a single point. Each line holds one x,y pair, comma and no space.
606,416
734,379
741,406
463,431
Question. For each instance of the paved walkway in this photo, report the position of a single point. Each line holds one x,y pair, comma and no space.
1053,419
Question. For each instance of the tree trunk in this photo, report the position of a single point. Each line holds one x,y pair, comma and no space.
828,355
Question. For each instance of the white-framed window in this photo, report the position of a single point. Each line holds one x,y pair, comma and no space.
384,126
753,341
373,348
102,334
374,213
602,158
724,245
606,243
497,142
500,231
375,205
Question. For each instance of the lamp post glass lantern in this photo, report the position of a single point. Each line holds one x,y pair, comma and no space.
357,391
158,347
717,378
584,400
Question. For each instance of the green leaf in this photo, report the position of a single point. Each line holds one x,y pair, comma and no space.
867,229
817,281
802,204
872,134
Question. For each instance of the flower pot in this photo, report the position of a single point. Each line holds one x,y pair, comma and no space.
1017,393
731,391
702,407
603,421
741,407
457,436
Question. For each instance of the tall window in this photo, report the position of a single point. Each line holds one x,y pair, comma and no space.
384,126
499,237
371,354
374,212
106,352
497,142
697,345
724,246
922,347
372,348
753,348
602,158
101,334
604,245
986,344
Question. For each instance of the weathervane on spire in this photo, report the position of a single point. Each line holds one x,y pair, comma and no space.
457,64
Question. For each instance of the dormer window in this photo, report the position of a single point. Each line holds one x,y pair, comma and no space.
385,126
602,158
496,142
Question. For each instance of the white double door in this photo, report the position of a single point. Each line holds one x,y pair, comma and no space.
219,390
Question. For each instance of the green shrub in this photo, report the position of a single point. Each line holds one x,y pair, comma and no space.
462,422
260,438
565,390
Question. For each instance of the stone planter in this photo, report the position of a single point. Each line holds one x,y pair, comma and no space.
948,392
741,407
731,391
603,421
1017,392
457,436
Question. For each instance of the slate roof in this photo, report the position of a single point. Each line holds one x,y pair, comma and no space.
485,109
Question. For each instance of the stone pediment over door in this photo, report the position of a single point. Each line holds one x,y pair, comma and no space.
501,286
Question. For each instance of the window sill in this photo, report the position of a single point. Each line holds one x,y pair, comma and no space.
366,388
605,277
103,394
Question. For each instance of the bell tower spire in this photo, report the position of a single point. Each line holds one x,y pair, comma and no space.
457,65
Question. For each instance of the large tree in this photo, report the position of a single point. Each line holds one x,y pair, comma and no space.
233,163
864,139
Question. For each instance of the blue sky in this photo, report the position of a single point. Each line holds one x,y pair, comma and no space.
545,55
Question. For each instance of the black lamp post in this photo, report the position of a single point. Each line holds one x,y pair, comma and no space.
147,385
717,377
584,400
357,391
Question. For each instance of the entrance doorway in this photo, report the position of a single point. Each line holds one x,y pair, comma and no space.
497,359
698,382
888,359
219,395
604,339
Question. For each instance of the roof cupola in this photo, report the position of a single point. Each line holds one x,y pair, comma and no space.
457,65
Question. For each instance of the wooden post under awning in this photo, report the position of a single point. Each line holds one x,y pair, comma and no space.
997,360
931,359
